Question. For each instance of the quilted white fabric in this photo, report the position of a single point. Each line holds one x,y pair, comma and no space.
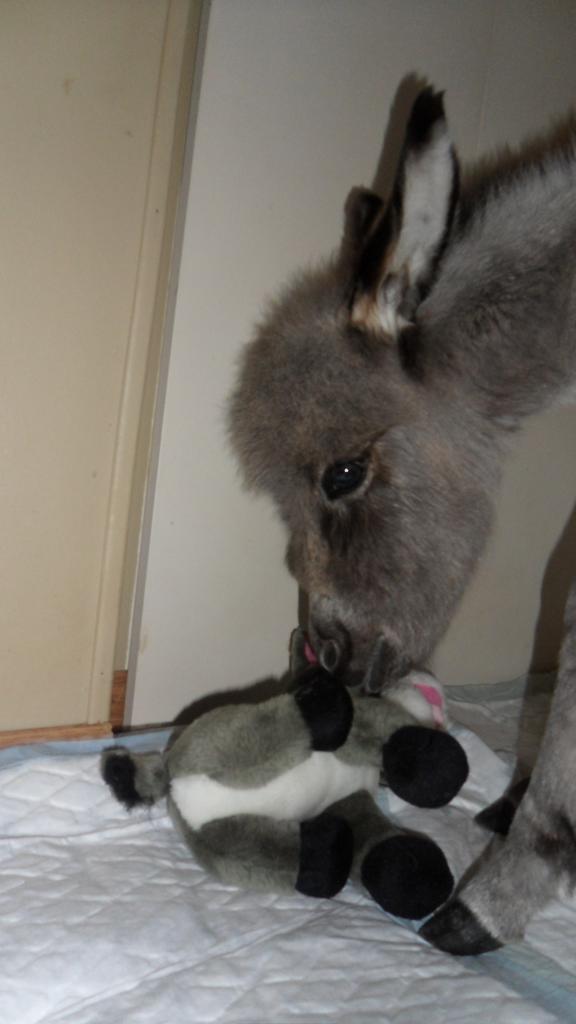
106,919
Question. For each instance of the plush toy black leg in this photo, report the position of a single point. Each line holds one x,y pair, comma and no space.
405,873
254,852
423,766
326,852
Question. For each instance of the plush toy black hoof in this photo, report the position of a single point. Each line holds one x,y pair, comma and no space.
326,850
423,766
326,707
407,875
456,930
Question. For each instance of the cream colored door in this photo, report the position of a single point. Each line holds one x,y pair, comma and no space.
93,108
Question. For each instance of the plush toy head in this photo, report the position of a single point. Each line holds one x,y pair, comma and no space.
419,692
279,795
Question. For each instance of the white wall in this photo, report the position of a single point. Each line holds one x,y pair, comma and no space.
292,111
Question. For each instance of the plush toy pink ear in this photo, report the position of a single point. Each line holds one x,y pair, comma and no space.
309,654
419,692
422,695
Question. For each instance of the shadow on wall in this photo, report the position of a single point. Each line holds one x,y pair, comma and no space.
559,574
254,693
261,690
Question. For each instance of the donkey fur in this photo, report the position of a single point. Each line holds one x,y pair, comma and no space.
397,372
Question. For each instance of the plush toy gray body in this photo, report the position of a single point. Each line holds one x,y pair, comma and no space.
280,795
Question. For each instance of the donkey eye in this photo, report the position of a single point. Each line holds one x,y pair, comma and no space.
343,477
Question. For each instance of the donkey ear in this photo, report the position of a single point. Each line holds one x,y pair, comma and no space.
401,243
361,210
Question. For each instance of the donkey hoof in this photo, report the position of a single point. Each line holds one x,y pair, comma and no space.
455,929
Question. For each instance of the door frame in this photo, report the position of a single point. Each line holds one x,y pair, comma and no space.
138,424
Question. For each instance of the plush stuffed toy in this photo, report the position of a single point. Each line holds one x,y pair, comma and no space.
419,692
279,795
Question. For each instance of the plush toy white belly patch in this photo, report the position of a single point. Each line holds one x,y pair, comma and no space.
298,794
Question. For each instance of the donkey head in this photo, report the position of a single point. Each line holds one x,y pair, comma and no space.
362,437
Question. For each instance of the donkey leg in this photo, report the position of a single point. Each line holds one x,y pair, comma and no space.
404,872
519,875
499,815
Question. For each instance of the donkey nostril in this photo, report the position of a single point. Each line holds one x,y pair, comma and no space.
329,638
330,655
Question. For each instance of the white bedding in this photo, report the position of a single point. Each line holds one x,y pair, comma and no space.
106,919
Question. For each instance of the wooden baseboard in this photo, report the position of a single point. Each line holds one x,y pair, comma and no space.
118,698
17,737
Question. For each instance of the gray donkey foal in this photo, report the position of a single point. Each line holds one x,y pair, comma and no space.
375,404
